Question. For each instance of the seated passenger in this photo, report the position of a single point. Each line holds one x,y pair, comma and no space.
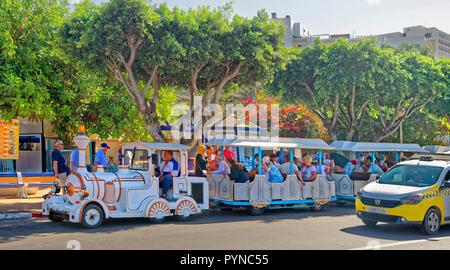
223,167
308,172
286,167
316,164
237,172
254,171
200,161
273,160
329,164
169,169
271,172
367,167
227,153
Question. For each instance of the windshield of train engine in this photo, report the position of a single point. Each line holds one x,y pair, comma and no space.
138,159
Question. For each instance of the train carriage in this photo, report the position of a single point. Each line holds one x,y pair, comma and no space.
259,194
133,191
347,186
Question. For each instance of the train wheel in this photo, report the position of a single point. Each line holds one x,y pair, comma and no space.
92,216
255,210
185,209
53,217
317,207
158,211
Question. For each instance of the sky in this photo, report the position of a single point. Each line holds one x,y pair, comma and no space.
358,17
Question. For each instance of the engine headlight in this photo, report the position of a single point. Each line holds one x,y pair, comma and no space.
412,199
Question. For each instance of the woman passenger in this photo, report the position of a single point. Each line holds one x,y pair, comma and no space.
308,172
200,161
273,175
237,172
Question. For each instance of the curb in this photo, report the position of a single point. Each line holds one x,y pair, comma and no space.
23,215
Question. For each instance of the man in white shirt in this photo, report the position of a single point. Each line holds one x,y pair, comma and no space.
285,169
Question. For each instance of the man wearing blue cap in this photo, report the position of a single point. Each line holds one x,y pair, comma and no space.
100,156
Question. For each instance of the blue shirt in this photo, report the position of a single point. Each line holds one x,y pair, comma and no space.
100,158
274,174
223,168
74,158
59,157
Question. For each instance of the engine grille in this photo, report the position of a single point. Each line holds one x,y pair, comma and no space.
383,203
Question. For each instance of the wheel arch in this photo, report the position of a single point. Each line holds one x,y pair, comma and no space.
437,208
102,207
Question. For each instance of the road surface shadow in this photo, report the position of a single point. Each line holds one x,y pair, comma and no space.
398,232
15,230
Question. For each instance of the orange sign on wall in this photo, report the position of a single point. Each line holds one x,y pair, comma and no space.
9,139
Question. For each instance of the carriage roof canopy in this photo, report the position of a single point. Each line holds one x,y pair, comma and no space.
221,142
167,146
377,147
343,145
274,143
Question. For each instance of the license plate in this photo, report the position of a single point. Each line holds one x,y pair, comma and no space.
377,210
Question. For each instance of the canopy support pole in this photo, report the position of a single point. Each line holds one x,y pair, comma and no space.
320,161
259,161
373,162
281,156
291,158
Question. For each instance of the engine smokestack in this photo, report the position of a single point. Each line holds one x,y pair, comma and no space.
82,141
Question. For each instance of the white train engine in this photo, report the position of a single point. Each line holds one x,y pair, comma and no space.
90,197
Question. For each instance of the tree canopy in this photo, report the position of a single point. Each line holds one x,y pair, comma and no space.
147,47
348,85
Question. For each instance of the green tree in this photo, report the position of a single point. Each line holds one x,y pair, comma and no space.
125,40
147,47
337,82
425,82
29,69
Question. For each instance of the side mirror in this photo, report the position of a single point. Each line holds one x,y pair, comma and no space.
446,184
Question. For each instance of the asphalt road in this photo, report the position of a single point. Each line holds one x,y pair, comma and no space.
336,227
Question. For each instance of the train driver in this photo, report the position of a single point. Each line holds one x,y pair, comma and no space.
169,169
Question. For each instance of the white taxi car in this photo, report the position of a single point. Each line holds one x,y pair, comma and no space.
415,191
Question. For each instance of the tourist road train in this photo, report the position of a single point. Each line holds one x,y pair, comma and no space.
133,191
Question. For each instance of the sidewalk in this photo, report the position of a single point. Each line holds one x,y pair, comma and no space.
13,207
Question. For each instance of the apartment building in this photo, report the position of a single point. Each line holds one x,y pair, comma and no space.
297,35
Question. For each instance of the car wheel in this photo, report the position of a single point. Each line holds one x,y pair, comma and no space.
370,223
92,216
431,222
